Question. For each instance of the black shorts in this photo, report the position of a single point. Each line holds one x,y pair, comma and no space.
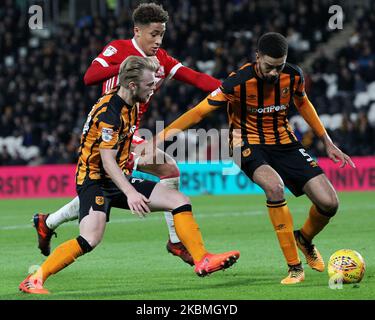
102,195
290,161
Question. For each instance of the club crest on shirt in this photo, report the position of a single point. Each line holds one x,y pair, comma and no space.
246,152
313,164
107,134
110,51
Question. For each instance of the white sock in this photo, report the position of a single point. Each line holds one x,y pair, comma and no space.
171,183
67,213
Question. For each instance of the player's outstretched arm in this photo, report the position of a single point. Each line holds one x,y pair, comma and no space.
97,73
335,154
197,79
187,120
106,65
308,112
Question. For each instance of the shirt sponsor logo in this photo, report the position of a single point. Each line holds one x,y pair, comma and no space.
268,109
110,51
107,134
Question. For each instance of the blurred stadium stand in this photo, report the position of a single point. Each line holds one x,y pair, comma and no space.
44,103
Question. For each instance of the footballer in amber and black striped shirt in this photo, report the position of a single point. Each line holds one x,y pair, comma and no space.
257,98
110,125
105,148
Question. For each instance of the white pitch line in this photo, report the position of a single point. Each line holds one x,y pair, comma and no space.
155,217
200,215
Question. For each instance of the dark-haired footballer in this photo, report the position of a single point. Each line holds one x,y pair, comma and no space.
258,97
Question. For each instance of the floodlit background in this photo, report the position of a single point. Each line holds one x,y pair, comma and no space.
44,104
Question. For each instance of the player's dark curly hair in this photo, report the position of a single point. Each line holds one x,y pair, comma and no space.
147,13
273,44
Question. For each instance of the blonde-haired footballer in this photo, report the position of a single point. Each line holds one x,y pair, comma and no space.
150,23
102,184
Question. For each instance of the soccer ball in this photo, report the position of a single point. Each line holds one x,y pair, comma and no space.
346,265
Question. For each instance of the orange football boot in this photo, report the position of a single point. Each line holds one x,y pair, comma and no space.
33,286
313,257
296,275
214,262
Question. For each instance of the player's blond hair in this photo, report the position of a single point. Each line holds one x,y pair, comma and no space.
132,67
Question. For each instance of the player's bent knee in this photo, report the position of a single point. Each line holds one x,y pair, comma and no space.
92,241
183,208
329,206
180,200
275,191
84,244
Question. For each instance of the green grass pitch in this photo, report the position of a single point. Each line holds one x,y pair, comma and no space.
132,262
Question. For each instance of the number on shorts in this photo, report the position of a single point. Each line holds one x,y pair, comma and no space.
308,158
